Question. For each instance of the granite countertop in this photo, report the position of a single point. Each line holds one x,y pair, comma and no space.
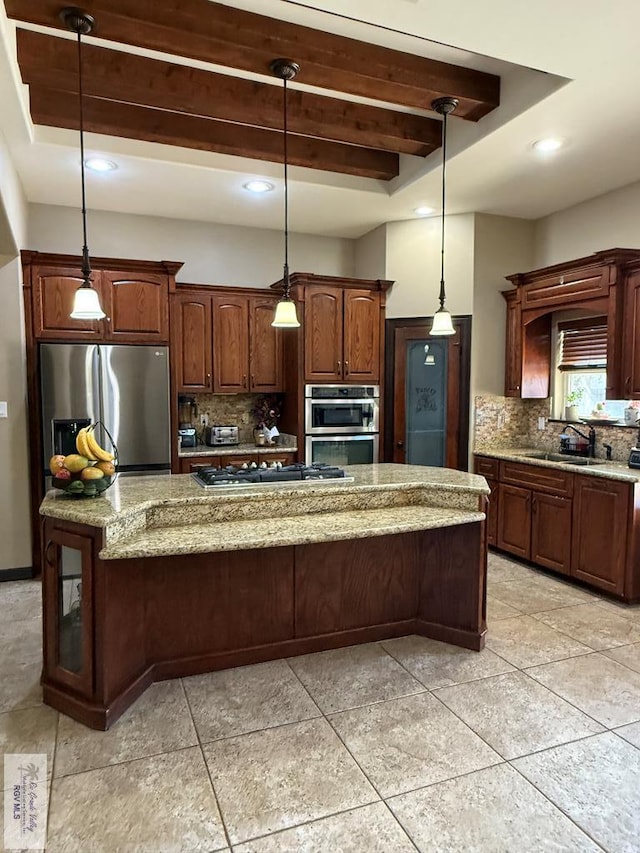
601,468
153,516
226,449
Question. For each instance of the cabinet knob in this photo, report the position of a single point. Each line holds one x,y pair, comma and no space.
400,444
535,504
627,384
339,363
244,380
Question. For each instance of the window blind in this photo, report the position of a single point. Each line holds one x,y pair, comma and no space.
583,343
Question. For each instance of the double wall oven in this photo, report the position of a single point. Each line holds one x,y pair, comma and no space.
342,424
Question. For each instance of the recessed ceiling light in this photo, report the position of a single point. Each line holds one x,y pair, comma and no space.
99,164
258,186
424,211
548,145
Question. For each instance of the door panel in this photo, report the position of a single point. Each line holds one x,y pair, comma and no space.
323,348
54,290
139,307
427,398
192,343
551,532
230,344
514,520
361,335
265,347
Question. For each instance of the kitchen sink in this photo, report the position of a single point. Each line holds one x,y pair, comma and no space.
566,460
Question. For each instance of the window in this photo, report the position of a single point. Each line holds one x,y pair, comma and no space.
582,366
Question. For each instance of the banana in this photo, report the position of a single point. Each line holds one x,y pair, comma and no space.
94,448
82,445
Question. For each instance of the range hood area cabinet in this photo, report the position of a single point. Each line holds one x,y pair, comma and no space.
133,294
605,283
223,341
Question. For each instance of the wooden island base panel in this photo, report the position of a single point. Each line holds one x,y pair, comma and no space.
159,579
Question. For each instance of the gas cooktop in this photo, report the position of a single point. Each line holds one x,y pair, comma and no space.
210,477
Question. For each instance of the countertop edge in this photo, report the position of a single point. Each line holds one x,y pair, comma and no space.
605,470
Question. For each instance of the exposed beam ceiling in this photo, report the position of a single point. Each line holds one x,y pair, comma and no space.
47,61
154,100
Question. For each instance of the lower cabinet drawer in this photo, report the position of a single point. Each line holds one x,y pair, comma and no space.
486,466
537,477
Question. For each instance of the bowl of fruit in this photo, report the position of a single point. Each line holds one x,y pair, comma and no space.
87,473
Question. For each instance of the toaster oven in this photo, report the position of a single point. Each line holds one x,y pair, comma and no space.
214,436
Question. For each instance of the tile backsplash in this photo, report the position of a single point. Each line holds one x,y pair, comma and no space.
230,410
510,422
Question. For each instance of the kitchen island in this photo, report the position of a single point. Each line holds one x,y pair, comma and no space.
159,578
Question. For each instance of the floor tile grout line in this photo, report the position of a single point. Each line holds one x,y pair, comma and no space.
127,761
206,766
615,660
622,737
571,637
554,804
573,705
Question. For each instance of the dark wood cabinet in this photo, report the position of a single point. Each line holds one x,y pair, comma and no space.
137,306
513,346
265,347
551,532
323,331
585,527
631,339
605,283
493,509
135,299
230,343
191,342
600,530
514,520
341,335
223,341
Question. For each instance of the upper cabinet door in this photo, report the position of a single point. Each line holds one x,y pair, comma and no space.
631,344
139,307
265,347
361,335
323,356
192,347
230,344
53,290
513,353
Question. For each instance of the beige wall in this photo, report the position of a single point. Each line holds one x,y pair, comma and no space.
212,254
371,254
15,550
606,222
413,262
502,246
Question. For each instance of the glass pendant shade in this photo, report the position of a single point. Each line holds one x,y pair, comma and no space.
442,323
86,304
286,316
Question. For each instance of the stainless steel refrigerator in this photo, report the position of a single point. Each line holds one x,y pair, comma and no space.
124,387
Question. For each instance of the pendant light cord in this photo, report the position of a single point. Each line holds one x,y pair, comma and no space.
286,199
86,265
444,163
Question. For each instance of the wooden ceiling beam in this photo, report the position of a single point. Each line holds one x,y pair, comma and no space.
200,29
60,109
113,75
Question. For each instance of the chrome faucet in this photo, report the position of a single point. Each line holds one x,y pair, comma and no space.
591,438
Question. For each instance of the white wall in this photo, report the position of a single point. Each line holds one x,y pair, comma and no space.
413,262
212,254
606,222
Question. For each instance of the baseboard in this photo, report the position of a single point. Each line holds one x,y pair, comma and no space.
24,574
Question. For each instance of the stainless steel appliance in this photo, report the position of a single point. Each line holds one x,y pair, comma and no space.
187,437
125,387
341,449
342,424
341,409
217,435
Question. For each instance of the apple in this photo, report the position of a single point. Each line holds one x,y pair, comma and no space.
63,474
56,464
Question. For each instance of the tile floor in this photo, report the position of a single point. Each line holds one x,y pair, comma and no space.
531,745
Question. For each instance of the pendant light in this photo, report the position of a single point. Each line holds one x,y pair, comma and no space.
285,316
86,304
442,324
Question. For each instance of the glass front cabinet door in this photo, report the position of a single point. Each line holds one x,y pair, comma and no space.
68,620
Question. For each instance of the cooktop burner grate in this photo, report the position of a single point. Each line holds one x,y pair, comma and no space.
213,478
